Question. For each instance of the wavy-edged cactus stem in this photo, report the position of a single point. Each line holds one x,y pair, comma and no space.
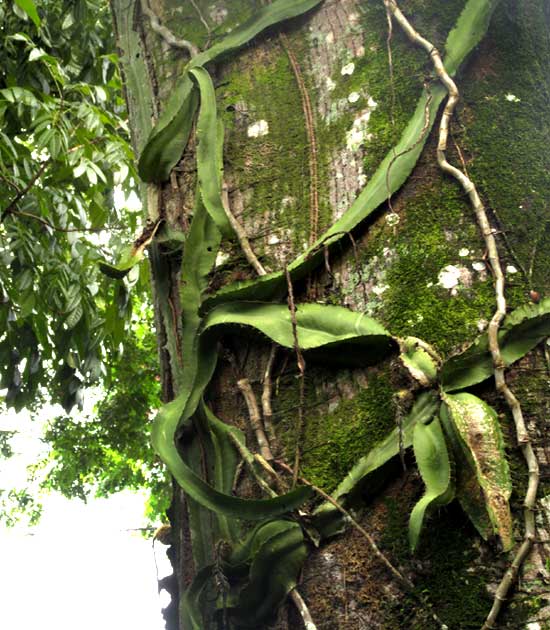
500,312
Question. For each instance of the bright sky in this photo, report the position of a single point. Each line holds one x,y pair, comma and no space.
80,567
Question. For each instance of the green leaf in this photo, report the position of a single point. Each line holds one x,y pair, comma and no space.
190,606
419,359
521,331
273,574
169,137
328,520
467,488
434,465
29,8
477,425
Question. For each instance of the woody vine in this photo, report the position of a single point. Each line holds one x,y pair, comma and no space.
448,428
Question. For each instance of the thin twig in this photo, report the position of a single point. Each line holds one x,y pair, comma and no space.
267,409
11,205
255,420
494,326
300,604
241,234
166,33
302,369
20,213
251,464
201,18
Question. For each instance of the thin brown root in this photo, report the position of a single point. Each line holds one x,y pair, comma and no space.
302,608
241,234
312,141
302,369
255,419
267,409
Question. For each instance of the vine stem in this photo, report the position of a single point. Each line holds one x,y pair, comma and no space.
255,421
241,234
300,604
166,33
498,362
267,409
302,370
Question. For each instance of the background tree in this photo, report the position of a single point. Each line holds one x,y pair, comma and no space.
64,157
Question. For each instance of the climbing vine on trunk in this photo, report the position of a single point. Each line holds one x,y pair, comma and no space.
256,569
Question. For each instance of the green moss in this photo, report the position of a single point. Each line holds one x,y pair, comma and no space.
507,119
334,440
436,225
456,593
271,169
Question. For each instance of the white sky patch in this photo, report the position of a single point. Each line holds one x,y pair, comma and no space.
81,564
478,266
463,252
512,98
511,269
258,129
354,97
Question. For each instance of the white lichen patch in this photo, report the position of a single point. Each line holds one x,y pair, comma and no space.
392,219
258,129
353,18
354,97
380,289
482,324
330,84
218,13
348,69
330,38
273,240
221,258
451,276
360,51
359,132
512,98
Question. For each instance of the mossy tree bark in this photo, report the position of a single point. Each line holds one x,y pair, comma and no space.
309,115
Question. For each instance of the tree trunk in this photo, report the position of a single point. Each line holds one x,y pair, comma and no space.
311,107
